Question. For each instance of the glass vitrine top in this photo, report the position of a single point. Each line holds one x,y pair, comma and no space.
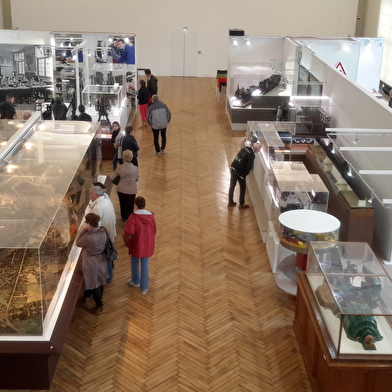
34,179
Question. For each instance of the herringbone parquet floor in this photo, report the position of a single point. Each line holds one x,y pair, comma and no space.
213,318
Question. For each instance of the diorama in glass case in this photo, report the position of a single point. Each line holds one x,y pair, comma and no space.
301,226
354,295
272,147
45,178
297,189
105,100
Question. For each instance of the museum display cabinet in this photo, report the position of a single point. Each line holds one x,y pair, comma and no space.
62,65
105,99
46,171
296,189
270,80
343,318
297,228
86,71
259,78
278,184
356,214
272,150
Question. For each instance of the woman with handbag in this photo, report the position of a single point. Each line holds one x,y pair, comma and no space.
92,240
128,175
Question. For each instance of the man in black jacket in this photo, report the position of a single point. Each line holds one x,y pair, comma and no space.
152,84
7,108
239,169
129,143
83,115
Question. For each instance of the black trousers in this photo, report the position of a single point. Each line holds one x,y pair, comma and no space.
126,204
156,139
234,178
97,294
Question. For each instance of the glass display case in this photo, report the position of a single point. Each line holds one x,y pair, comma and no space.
105,99
46,171
294,188
260,79
297,228
272,147
8,128
353,293
91,69
273,151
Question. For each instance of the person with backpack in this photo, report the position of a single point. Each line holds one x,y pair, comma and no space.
239,169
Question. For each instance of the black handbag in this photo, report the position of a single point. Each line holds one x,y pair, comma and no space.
116,180
110,249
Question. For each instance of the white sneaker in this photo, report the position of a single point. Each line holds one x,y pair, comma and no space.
130,283
144,292
158,154
162,151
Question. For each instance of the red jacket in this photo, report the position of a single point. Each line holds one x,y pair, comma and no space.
143,229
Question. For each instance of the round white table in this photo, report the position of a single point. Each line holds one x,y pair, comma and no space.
306,224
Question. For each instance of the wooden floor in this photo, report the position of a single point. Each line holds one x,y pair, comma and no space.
213,318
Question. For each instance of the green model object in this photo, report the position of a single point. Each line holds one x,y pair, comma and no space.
362,329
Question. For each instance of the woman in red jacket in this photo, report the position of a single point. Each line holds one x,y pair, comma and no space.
141,228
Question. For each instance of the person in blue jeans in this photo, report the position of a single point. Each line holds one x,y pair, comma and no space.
140,230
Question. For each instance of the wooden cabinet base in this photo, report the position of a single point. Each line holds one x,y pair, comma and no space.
32,364
327,371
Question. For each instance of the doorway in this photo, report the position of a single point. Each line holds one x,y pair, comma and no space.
184,54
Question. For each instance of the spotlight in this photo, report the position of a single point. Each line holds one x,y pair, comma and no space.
356,139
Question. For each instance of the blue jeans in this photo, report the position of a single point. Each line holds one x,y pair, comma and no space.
142,277
116,160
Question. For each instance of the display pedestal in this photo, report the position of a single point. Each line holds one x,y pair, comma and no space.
328,371
286,275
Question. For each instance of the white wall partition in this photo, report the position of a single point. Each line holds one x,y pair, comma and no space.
154,22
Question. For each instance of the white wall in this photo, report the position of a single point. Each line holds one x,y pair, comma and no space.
154,21
385,30
351,106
